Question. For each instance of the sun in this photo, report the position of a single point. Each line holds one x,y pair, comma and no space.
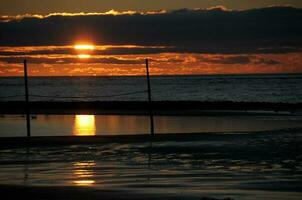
84,56
84,50
84,47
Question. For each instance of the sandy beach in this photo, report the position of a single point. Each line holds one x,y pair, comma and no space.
70,193
248,154
180,166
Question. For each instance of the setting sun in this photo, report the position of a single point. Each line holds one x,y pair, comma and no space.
84,56
82,50
84,47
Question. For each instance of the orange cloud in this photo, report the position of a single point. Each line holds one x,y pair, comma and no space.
48,61
8,18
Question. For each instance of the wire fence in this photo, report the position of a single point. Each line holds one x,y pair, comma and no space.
12,96
77,97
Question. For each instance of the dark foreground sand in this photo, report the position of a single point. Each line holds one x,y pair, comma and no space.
82,193
245,166
141,107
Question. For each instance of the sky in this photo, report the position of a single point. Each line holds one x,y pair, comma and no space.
178,37
17,7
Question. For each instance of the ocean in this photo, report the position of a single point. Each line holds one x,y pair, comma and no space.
286,88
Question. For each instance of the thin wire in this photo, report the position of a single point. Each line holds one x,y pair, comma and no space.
89,97
77,97
12,96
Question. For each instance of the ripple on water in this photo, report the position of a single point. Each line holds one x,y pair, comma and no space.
249,165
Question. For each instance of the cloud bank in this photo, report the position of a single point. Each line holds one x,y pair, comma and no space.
215,30
198,41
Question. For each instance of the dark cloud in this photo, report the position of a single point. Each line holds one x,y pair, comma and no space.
148,50
227,60
222,59
103,60
263,61
36,52
240,59
265,30
107,51
109,60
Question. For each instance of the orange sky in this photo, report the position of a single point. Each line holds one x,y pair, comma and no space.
212,40
53,61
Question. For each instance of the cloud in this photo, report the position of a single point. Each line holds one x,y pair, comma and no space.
227,60
160,64
167,59
263,61
98,50
219,8
9,18
216,30
70,60
239,60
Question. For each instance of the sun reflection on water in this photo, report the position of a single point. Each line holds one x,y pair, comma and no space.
84,125
84,182
83,173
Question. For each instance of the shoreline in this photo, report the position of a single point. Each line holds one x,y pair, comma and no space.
142,107
41,141
17,142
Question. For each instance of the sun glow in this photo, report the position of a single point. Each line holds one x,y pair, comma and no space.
84,47
84,182
84,56
84,125
83,173
83,50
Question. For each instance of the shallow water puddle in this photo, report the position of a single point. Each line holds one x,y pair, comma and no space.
54,125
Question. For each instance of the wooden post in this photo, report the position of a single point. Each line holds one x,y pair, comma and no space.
26,99
150,100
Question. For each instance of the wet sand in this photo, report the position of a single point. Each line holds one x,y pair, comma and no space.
18,142
262,165
239,165
80,193
142,107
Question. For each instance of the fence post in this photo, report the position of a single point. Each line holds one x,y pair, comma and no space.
26,99
149,99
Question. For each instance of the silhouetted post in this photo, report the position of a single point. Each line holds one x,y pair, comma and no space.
26,99
149,99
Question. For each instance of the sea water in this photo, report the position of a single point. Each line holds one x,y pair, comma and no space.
237,88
